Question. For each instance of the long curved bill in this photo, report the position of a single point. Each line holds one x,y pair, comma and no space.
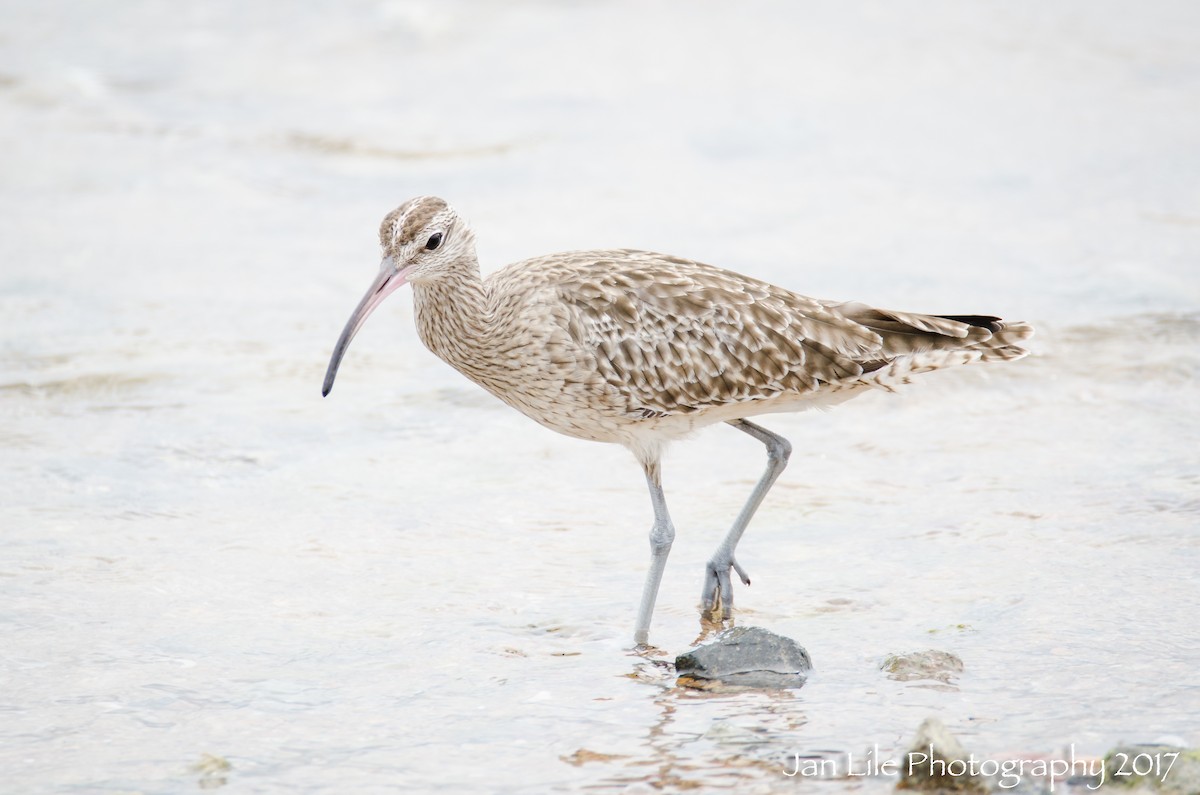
389,279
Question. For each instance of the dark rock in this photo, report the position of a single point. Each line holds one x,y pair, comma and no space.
746,657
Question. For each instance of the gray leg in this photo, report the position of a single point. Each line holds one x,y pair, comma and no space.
661,536
717,584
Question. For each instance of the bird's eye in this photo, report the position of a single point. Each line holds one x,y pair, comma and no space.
434,241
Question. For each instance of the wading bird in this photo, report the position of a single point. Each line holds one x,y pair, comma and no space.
640,349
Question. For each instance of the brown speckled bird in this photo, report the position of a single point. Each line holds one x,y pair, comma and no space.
640,348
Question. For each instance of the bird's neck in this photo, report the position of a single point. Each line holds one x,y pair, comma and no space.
452,316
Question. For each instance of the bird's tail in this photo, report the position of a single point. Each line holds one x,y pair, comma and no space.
1004,342
915,343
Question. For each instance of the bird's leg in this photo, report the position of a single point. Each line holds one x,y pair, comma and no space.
661,536
718,588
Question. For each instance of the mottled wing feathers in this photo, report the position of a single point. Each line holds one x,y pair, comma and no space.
673,336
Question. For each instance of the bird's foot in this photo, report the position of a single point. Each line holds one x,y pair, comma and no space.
717,599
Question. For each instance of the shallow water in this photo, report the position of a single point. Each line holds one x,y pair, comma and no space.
407,584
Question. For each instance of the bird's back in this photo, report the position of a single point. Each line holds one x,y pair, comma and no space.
645,337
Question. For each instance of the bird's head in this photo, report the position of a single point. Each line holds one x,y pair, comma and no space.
421,240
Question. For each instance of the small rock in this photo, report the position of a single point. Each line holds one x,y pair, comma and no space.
1153,767
929,664
213,771
937,762
746,657
722,732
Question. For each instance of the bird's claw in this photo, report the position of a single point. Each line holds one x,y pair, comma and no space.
741,572
717,598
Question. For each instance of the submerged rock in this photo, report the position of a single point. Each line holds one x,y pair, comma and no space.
1153,767
941,666
937,762
213,770
746,657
